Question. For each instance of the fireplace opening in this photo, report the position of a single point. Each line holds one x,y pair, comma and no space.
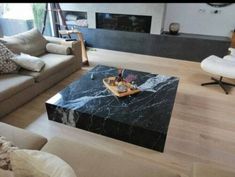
122,22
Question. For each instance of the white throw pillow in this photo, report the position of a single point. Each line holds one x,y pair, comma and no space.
33,163
29,62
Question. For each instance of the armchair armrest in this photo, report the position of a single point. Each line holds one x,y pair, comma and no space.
74,45
22,138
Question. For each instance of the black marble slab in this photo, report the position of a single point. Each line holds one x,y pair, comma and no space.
141,119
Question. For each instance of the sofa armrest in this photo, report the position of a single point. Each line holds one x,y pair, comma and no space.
74,45
22,138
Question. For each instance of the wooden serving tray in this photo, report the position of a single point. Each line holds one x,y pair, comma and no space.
113,89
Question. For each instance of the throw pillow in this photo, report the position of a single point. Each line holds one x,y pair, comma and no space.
6,147
58,49
33,163
6,64
29,62
31,42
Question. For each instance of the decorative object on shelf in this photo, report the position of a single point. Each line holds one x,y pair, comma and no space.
174,28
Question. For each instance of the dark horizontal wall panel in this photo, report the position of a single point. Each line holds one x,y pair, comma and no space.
179,47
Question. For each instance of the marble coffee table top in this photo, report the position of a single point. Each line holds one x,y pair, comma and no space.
150,109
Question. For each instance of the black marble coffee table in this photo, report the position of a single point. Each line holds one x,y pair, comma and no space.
141,119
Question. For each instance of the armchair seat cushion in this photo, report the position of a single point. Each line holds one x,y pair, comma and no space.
219,66
53,63
13,83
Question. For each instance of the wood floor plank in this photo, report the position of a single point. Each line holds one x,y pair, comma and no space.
202,127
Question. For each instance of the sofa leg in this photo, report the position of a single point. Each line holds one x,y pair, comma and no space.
220,83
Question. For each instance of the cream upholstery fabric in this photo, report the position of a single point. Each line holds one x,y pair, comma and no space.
32,163
29,62
54,72
22,138
6,147
13,83
74,45
6,173
58,49
53,63
206,170
30,42
218,66
11,103
89,161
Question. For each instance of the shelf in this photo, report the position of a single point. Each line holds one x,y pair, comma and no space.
196,36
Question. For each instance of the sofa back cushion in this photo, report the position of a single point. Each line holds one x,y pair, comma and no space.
30,42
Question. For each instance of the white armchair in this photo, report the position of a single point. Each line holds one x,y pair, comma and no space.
222,67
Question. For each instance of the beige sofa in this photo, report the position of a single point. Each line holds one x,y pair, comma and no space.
17,89
86,161
90,161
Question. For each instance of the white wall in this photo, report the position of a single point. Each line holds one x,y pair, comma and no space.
156,10
197,18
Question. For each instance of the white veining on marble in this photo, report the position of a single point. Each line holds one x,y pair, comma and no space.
81,101
67,117
153,82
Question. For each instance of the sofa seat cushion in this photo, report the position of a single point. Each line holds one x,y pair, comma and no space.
13,83
21,138
88,161
53,63
30,42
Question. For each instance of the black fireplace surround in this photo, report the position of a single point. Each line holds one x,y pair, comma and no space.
122,22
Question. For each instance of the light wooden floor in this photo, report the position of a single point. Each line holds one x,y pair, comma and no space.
202,127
